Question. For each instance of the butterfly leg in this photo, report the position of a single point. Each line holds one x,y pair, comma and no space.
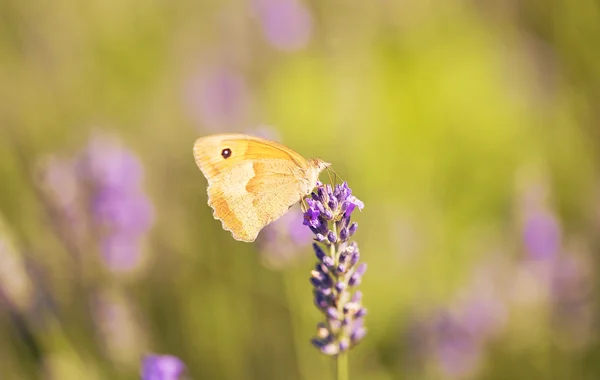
303,205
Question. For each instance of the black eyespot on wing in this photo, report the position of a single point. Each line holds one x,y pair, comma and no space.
226,153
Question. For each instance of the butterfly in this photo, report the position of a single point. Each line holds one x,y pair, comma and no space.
253,181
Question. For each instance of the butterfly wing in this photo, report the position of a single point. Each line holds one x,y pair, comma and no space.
245,203
252,181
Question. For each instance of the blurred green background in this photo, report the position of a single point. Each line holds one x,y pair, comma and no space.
468,128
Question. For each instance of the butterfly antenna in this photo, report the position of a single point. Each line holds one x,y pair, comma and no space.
331,180
330,169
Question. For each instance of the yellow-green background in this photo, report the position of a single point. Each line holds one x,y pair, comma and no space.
429,109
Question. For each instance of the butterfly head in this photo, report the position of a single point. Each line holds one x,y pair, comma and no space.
315,167
318,164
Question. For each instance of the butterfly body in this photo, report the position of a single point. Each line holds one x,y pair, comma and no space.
253,181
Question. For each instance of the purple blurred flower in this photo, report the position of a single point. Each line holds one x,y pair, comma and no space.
448,340
162,367
106,161
284,240
98,196
454,338
218,99
541,234
561,282
457,349
337,272
286,24
121,212
572,299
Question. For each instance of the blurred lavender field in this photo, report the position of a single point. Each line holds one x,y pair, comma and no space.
469,129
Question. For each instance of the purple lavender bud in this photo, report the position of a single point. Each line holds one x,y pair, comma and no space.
321,276
355,203
330,191
360,313
357,297
311,215
354,258
350,307
340,286
318,342
320,237
321,300
331,349
344,234
362,268
341,269
344,345
320,228
323,229
320,207
328,214
327,282
162,367
342,192
343,259
349,248
352,229
333,203
344,207
337,191
321,267
321,280
346,190
342,223
319,252
332,313
331,237
313,222
356,277
316,282
357,334
322,195
328,261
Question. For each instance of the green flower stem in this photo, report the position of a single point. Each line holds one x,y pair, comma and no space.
342,366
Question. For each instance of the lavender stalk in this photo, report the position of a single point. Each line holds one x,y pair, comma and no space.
337,272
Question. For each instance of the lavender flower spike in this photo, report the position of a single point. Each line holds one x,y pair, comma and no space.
337,272
162,367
